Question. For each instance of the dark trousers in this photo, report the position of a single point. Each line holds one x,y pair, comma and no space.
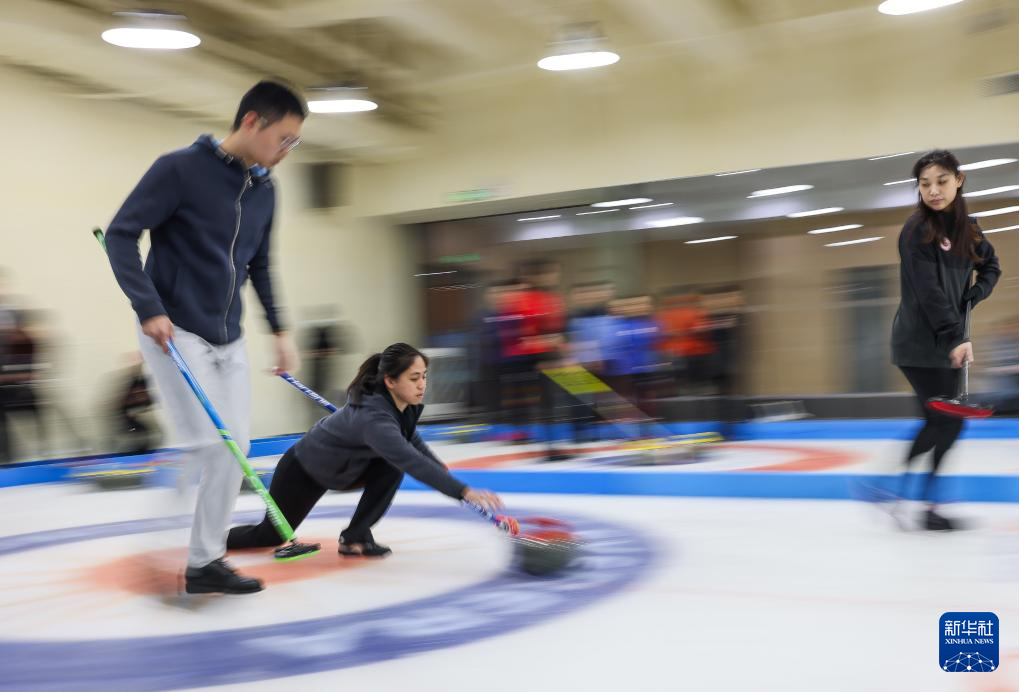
296,493
939,431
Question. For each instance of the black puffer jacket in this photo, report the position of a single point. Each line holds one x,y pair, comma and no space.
930,320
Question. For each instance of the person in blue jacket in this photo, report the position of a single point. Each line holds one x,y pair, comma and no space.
209,210
370,443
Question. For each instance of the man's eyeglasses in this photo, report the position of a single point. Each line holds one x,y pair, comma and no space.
286,143
289,143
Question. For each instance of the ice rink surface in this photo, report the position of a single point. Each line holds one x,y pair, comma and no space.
671,593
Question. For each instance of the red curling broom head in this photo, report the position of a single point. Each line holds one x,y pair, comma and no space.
508,524
959,407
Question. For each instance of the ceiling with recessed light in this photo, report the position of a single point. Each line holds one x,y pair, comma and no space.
851,193
406,52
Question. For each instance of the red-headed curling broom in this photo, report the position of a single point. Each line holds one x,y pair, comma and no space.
541,545
961,406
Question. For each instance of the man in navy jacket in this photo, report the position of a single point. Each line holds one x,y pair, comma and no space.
209,212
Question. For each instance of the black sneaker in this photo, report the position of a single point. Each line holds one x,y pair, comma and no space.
367,548
938,522
219,577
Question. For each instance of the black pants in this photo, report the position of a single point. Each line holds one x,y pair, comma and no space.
296,493
939,432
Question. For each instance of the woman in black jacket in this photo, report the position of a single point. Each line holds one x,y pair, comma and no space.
939,248
369,443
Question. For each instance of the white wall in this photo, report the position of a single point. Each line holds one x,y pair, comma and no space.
70,163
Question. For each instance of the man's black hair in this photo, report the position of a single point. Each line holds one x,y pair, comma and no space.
272,101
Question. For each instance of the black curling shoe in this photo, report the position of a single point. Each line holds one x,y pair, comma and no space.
219,577
367,548
933,521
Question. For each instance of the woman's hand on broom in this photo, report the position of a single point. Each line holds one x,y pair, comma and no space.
961,354
483,498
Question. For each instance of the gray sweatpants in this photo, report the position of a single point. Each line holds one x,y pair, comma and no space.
222,371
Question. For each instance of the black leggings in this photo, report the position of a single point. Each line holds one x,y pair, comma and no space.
939,431
296,493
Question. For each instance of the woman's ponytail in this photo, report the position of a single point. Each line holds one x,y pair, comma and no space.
365,380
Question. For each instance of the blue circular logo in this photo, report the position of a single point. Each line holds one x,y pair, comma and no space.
612,558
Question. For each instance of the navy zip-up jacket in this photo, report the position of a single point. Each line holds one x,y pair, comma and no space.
338,449
209,220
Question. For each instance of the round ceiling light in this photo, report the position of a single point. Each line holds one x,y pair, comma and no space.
151,39
340,99
342,106
578,61
578,46
900,7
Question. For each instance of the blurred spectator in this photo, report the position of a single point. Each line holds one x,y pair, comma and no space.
687,340
134,429
323,340
590,324
538,306
727,332
635,366
1001,371
21,370
489,337
590,330
534,339
7,324
724,308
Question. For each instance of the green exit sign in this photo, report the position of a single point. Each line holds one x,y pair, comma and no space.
477,195
460,259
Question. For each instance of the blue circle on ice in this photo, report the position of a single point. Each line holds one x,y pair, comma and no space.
612,558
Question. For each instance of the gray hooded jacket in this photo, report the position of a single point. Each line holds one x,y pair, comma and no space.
338,448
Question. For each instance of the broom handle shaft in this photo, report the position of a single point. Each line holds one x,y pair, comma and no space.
964,379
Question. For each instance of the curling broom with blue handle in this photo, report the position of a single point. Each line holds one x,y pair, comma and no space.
293,550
